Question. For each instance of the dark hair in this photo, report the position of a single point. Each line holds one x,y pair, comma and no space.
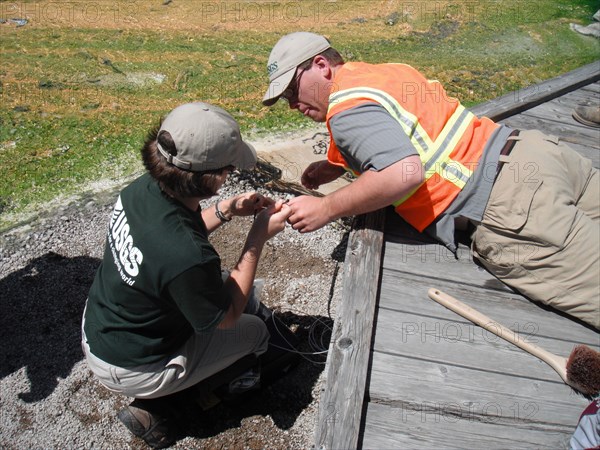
331,55
183,183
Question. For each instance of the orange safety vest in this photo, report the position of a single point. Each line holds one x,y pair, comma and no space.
448,137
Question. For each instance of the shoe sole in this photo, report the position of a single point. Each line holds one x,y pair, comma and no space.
589,123
137,429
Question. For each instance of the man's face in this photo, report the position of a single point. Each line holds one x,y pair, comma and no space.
309,93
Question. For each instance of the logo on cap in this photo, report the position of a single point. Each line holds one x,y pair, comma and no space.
272,68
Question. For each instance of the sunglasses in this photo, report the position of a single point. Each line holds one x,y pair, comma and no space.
291,92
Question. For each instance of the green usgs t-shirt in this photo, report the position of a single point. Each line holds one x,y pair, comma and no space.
159,281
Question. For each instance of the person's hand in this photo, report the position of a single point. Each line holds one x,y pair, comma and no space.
271,220
320,172
249,203
308,213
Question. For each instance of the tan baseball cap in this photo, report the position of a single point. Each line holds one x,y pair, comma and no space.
289,52
206,137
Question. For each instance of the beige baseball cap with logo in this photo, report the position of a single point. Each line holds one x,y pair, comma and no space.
206,138
289,52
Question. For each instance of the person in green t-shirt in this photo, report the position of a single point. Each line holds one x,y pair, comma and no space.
160,318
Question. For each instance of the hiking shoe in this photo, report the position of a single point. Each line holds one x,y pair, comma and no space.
206,399
593,29
588,115
247,381
152,427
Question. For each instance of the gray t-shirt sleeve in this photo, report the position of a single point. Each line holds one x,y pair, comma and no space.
369,138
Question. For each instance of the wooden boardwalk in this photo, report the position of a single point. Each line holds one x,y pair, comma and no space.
404,372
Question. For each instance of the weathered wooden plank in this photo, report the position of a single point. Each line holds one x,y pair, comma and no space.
409,258
578,97
592,87
558,109
414,335
567,132
451,342
556,122
407,380
435,262
567,129
524,99
591,153
406,293
589,91
341,403
403,427
561,110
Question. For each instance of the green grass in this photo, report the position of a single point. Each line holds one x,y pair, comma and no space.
66,121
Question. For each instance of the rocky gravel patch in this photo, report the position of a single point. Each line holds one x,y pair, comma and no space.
48,397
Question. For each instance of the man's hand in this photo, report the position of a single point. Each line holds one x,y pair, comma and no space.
320,172
371,191
308,213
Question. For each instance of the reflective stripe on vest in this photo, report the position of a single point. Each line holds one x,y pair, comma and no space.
434,154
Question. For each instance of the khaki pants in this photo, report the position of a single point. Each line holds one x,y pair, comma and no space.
541,228
200,357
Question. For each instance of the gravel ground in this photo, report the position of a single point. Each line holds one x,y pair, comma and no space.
48,397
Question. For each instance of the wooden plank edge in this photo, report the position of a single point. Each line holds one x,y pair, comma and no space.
518,101
342,398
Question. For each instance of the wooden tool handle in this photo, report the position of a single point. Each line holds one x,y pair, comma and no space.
556,362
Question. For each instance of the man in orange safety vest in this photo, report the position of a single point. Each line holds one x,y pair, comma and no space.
414,147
